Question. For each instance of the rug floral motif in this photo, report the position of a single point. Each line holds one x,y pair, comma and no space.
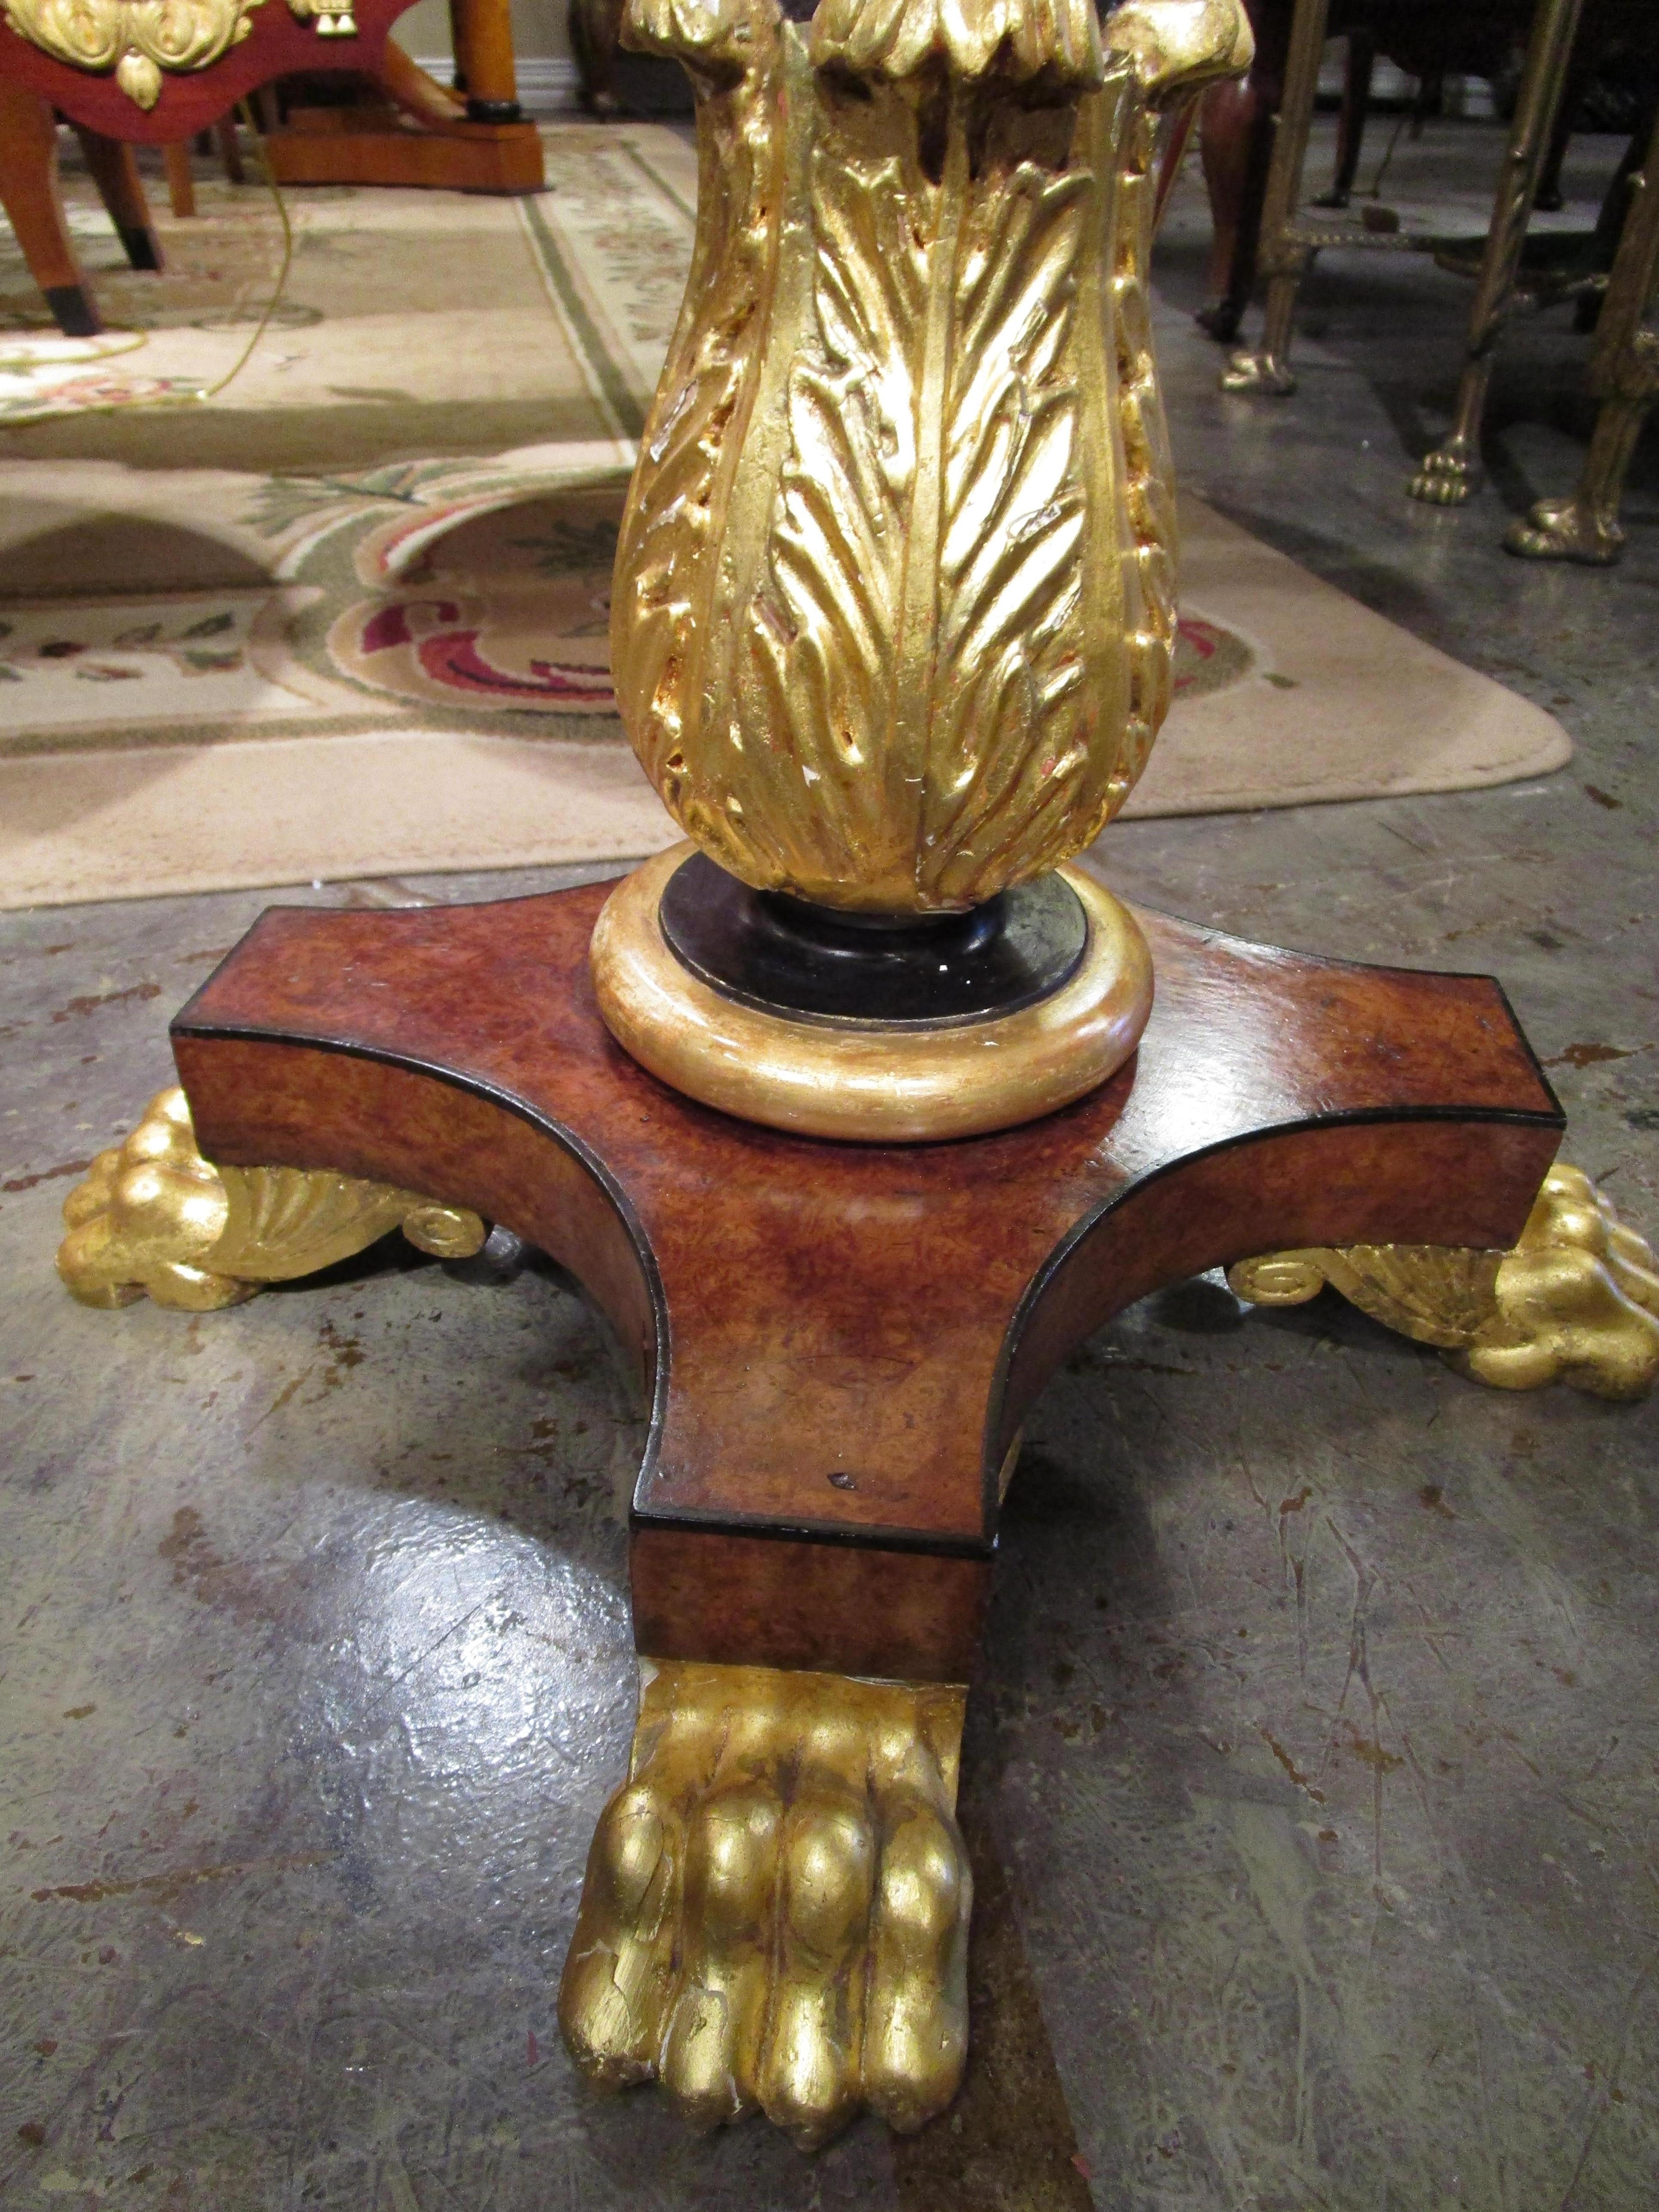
508,611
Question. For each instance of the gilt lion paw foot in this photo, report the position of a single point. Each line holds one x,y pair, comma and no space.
1566,530
1447,476
154,1217
775,1911
1575,1301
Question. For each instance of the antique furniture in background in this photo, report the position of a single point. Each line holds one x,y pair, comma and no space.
611,81
29,193
127,73
1565,38
1247,129
30,196
891,630
1623,376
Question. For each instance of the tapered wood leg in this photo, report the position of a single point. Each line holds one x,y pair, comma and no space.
181,184
418,93
115,172
230,150
1351,120
34,206
483,33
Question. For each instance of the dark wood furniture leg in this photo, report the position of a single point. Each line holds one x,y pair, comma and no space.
230,149
115,172
33,203
595,35
1238,131
181,182
1358,73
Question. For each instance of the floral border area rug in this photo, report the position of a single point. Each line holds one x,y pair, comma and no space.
215,675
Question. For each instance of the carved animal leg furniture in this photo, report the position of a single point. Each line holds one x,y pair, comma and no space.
1449,473
1288,242
856,1113
1624,375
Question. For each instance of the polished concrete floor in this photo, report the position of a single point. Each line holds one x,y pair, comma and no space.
1310,1779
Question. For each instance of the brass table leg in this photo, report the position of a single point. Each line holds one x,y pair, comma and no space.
1624,375
1282,257
1449,473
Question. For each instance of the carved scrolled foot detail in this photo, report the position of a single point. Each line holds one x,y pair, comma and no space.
775,1911
1259,372
1575,1301
1447,476
1566,530
154,1217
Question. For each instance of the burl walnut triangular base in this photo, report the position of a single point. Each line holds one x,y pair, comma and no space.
843,1340
841,1343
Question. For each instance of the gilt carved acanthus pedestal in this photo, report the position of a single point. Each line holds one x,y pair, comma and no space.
821,1115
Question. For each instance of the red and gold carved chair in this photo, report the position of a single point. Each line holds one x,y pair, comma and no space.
124,74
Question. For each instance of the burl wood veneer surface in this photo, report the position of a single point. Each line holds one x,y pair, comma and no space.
829,1325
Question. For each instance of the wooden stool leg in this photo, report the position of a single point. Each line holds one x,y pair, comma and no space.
230,151
483,33
181,185
1350,122
595,29
115,173
29,193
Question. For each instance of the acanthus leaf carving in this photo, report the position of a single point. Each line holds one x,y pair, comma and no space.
896,617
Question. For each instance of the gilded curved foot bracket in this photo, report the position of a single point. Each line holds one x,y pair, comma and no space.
776,1912
155,1218
1575,1301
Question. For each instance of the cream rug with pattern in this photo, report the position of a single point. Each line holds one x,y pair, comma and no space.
346,615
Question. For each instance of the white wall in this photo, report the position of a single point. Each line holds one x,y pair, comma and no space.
541,45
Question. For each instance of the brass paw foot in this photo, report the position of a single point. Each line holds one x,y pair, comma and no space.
154,1217
776,1911
1566,530
1577,1300
1259,372
1447,476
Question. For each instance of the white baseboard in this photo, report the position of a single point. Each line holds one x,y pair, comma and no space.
546,82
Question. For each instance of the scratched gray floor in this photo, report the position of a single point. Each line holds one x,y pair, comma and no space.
1312,1772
